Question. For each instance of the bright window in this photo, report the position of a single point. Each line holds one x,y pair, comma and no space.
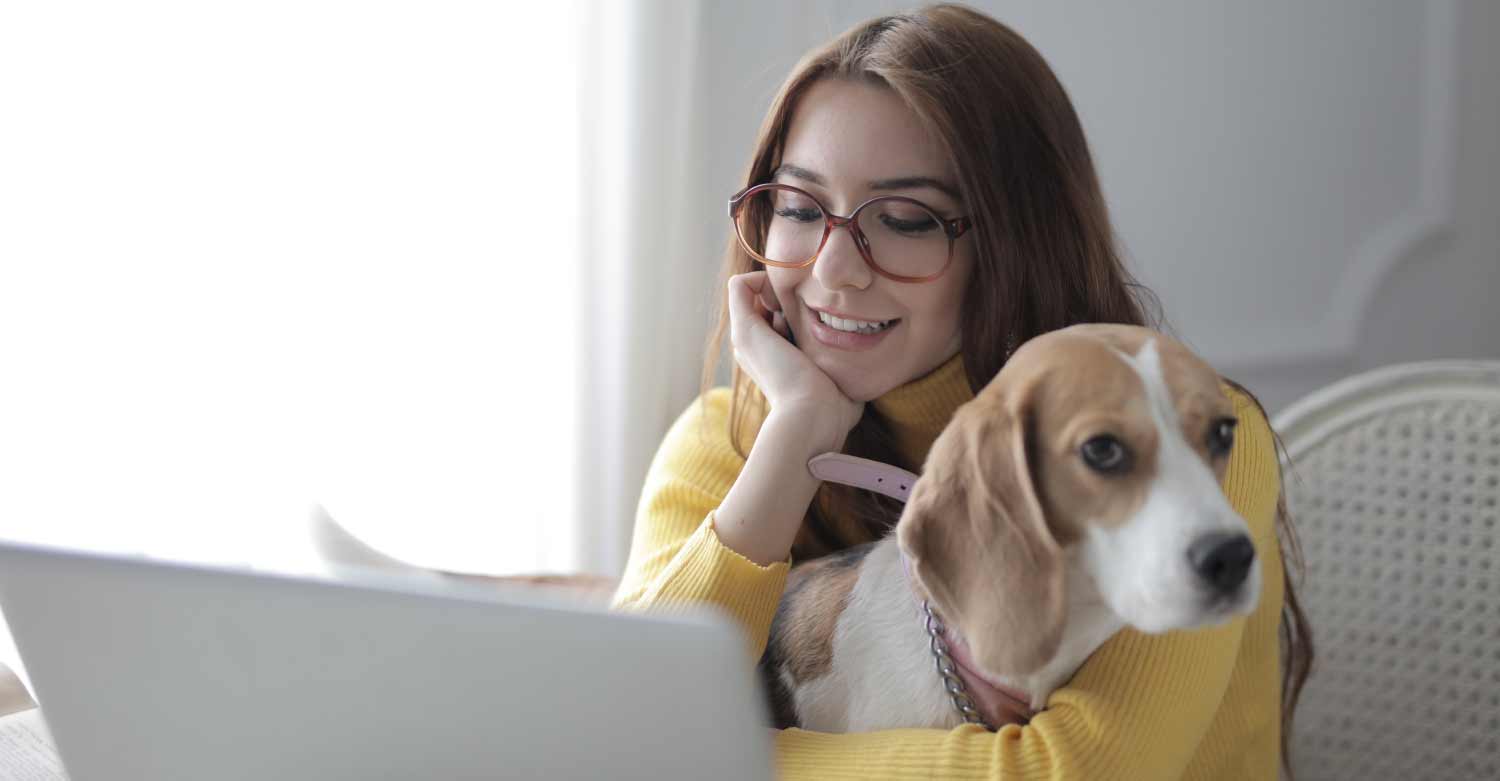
255,256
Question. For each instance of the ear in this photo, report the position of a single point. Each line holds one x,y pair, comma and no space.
979,545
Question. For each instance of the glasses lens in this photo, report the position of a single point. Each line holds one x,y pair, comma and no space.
783,226
906,238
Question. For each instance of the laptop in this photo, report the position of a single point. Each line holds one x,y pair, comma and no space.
150,669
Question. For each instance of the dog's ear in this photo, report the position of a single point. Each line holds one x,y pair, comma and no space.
979,544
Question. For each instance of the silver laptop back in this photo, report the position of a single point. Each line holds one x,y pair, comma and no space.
155,670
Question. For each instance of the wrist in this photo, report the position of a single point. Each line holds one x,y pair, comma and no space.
811,430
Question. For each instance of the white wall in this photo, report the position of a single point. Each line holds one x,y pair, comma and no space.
1310,188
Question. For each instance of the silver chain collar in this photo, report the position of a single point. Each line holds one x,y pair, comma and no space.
949,672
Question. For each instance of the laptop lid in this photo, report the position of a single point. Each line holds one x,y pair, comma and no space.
148,669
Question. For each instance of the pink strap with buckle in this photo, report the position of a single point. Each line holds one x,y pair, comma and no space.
891,481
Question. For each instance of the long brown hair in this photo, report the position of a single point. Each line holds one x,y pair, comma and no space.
1045,256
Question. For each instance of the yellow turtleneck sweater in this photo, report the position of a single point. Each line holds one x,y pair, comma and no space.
1203,704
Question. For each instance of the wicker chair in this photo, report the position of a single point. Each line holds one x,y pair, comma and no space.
1393,483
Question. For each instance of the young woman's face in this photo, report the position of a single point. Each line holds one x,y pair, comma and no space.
849,142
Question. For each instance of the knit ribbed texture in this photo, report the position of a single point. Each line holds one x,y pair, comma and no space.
919,410
676,557
1198,705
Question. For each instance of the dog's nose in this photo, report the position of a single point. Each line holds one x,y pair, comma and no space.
1222,559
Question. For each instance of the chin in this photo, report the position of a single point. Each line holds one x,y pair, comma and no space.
860,392
859,388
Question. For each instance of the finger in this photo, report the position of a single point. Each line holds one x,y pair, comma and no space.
778,324
764,292
768,297
754,288
743,310
745,306
760,309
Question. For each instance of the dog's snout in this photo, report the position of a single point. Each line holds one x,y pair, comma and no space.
1222,559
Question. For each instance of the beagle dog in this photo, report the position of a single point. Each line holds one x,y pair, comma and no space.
1076,494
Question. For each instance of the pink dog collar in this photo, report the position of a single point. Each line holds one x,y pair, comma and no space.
891,481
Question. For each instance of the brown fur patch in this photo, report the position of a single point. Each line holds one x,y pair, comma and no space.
977,537
1196,390
801,640
810,617
1084,390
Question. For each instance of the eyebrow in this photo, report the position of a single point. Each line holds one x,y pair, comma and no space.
899,183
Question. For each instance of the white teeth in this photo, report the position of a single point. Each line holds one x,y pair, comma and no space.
856,326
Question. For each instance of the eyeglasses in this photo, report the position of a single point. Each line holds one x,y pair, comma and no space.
900,238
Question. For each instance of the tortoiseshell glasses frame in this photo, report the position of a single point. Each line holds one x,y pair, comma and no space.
952,229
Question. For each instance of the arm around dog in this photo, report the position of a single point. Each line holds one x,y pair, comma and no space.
1200,704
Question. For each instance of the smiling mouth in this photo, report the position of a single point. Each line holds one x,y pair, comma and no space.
852,326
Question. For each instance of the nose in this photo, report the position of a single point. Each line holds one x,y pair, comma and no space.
1222,559
839,264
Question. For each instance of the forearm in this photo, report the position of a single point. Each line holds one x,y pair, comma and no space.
677,557
763,510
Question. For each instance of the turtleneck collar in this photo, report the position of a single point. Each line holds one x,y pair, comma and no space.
917,411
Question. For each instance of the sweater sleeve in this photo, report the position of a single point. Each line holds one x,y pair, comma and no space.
676,557
1137,709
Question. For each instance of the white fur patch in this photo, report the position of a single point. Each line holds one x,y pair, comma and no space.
883,675
1142,564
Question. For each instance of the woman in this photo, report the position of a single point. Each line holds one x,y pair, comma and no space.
990,228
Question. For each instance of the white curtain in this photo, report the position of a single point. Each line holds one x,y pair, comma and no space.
645,266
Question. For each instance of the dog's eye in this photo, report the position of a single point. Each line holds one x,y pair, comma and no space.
1104,453
1221,436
